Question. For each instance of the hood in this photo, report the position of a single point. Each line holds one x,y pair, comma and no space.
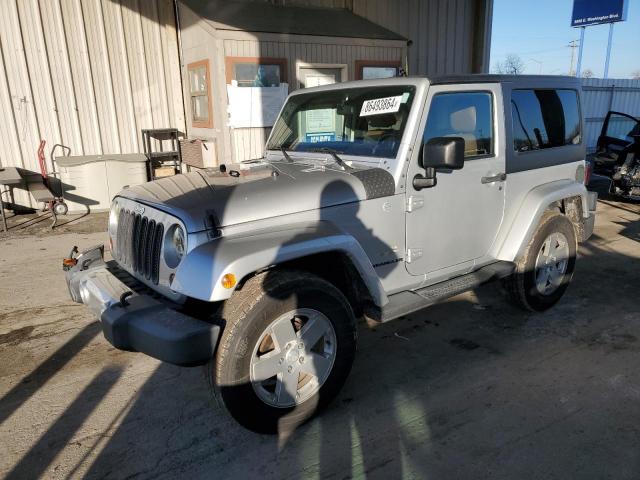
251,191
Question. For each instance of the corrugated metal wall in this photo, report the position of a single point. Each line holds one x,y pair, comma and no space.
87,74
600,95
248,143
91,73
442,31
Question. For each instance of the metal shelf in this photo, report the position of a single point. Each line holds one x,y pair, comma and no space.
153,141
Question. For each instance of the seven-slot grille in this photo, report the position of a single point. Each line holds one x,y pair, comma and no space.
138,244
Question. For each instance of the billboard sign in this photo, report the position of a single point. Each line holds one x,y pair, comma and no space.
594,12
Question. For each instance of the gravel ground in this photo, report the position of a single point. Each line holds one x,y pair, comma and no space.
471,388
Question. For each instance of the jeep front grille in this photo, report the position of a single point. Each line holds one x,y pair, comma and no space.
139,243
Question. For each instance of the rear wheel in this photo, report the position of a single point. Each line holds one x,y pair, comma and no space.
545,270
286,350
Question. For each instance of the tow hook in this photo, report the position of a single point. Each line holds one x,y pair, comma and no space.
123,298
71,261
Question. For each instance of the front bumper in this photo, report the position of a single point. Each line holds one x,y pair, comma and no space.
139,322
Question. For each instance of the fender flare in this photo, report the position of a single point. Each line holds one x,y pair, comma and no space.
201,271
536,202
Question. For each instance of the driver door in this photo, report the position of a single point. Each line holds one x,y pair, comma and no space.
615,140
452,226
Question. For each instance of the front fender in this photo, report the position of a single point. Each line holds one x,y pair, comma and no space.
200,273
515,238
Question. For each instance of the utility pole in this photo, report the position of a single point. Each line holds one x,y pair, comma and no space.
539,64
573,44
579,66
606,62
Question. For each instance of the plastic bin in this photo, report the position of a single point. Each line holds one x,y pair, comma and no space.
93,180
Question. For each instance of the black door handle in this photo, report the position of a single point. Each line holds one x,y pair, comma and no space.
501,177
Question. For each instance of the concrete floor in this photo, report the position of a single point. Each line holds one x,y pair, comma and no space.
472,388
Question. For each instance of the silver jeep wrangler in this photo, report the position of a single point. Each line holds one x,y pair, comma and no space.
375,199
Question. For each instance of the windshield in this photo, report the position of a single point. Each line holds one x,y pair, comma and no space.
366,121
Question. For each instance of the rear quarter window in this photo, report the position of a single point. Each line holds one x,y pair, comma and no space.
545,118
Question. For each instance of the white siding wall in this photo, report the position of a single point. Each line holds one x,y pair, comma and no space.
88,74
448,37
248,143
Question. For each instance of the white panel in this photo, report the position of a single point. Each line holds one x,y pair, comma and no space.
38,69
173,84
154,63
28,134
61,79
19,85
101,75
130,76
78,54
9,149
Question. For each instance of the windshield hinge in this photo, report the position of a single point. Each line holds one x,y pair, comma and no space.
414,202
413,254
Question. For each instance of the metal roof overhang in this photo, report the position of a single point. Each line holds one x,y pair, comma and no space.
269,18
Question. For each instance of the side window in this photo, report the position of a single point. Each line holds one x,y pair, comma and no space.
198,73
371,69
256,71
544,118
466,114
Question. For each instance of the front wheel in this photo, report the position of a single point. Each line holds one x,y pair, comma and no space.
545,270
286,350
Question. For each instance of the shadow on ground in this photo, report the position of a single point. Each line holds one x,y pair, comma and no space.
471,388
39,224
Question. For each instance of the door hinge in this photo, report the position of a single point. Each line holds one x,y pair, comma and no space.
414,202
413,254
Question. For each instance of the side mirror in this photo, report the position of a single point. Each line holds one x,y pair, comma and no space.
439,153
443,152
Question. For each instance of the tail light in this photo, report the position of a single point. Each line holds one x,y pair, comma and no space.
588,170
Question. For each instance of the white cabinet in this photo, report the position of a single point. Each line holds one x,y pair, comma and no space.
93,180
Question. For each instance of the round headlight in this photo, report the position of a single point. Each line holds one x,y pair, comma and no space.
178,241
175,246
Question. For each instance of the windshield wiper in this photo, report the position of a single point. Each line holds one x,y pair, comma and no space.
334,154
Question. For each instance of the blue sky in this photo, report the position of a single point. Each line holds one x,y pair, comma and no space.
539,30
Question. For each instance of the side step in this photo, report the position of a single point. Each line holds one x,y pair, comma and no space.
404,303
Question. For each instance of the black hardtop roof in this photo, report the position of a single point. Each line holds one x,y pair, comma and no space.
517,81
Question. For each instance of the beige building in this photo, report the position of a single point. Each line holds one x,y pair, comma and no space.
92,74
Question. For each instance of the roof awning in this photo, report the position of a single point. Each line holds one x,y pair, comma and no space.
268,18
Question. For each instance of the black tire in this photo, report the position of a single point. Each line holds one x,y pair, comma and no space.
247,315
521,285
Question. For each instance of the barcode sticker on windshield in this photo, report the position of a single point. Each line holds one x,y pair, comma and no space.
379,106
